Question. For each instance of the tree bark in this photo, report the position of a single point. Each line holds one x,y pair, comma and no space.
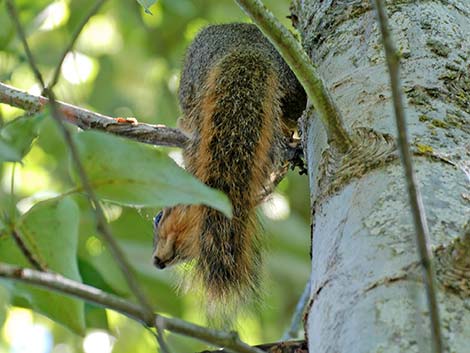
367,290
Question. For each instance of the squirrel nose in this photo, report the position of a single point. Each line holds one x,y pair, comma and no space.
158,263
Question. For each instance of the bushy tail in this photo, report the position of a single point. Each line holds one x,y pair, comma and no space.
240,133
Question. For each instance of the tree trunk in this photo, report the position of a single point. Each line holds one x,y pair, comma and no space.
367,290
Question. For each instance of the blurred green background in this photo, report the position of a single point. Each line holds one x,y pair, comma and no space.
126,63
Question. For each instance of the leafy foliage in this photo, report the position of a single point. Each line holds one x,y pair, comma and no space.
16,138
139,175
50,231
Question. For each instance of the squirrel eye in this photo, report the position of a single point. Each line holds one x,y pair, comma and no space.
157,219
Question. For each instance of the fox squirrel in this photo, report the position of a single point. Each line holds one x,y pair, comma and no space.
240,101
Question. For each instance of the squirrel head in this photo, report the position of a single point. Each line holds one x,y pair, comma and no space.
176,236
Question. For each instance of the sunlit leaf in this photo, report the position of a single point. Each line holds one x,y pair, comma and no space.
135,174
17,136
26,6
49,230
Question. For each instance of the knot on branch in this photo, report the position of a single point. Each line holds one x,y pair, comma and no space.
453,266
370,150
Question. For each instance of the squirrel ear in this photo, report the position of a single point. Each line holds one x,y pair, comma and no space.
157,219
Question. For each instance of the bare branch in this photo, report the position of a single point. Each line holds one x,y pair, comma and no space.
146,133
229,341
157,135
161,339
14,233
419,217
102,225
306,73
69,47
293,330
277,347
96,296
62,284
26,252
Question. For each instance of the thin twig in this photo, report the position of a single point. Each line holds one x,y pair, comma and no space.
12,195
419,217
16,20
102,225
299,346
293,53
26,252
160,327
58,283
158,135
14,234
229,340
74,38
293,329
159,338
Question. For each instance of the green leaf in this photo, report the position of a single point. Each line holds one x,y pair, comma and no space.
134,174
4,301
50,231
92,277
8,153
96,317
3,226
104,263
146,4
17,136
7,33
96,263
181,8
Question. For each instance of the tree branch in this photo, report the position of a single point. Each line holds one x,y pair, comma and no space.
101,224
293,329
26,252
161,339
277,347
416,203
96,296
159,135
293,53
62,284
